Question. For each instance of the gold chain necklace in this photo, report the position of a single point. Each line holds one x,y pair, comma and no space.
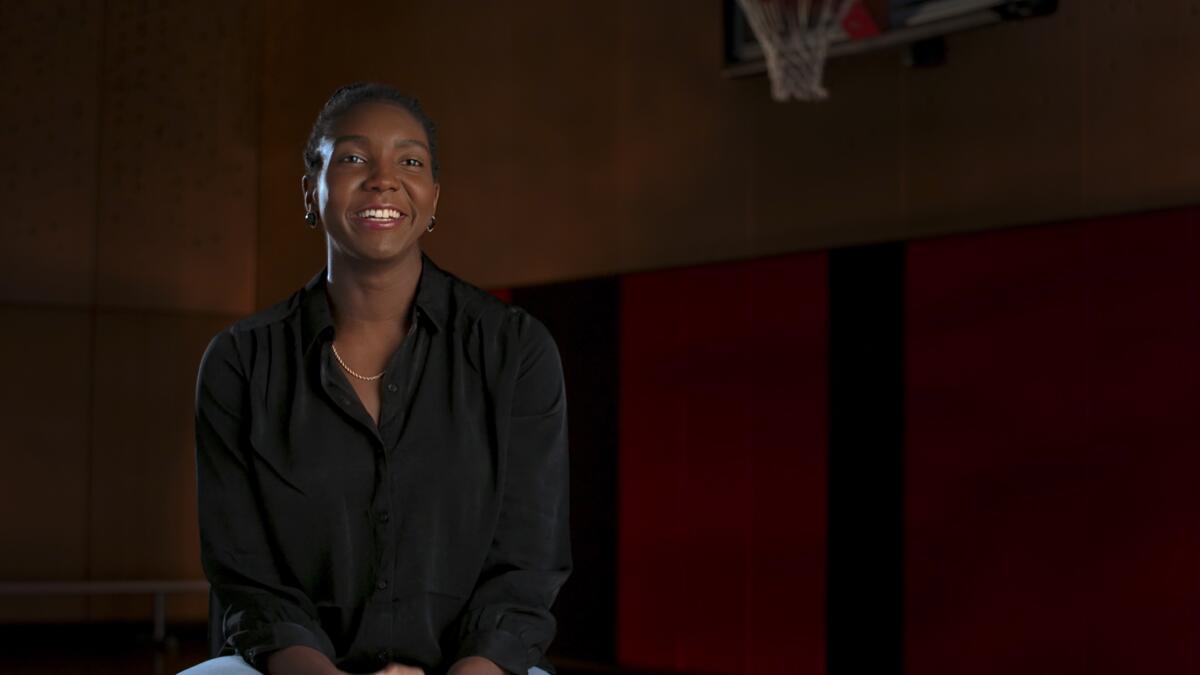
345,367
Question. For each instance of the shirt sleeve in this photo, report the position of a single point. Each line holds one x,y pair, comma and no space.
262,611
507,619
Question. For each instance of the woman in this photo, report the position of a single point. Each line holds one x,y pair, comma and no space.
382,459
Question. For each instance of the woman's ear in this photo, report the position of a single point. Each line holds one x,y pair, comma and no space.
306,188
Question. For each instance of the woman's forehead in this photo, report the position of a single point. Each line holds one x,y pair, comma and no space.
378,121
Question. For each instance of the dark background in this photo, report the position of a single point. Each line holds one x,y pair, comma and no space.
901,381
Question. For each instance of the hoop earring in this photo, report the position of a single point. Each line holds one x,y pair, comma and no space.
311,219
432,224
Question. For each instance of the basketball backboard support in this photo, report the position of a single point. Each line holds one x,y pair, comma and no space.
873,25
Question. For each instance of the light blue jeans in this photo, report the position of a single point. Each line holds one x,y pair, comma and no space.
235,665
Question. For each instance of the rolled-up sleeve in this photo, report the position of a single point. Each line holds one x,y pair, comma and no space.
507,619
262,611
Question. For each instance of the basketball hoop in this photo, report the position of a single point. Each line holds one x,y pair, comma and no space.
795,37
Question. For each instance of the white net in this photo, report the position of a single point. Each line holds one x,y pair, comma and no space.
795,36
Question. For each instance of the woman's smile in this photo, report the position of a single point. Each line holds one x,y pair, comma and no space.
377,217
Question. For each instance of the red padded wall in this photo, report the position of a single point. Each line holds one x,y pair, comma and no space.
1053,516
723,468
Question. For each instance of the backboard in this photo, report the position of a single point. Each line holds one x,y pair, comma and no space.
871,25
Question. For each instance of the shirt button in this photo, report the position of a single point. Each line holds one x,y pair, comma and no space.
384,656
393,388
381,584
384,516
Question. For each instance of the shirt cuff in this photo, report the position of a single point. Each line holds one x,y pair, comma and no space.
502,648
256,645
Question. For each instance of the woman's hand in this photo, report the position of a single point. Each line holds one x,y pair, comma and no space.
397,669
474,665
300,661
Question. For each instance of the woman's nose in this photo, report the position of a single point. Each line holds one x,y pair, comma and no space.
381,180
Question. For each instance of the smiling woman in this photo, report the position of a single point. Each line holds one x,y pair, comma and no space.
382,461
371,175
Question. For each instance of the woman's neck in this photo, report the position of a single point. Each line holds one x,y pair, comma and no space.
372,297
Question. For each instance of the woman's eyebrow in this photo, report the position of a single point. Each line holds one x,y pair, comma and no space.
348,139
356,138
410,141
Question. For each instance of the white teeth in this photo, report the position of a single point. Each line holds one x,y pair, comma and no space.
380,214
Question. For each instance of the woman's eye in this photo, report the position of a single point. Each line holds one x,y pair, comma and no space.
352,159
412,161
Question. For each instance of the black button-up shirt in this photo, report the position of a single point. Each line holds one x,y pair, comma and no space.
439,533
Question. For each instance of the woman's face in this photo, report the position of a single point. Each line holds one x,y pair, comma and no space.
375,192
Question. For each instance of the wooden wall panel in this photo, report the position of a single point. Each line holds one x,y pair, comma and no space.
44,417
143,509
994,137
1141,102
554,147
179,179
683,170
829,171
48,72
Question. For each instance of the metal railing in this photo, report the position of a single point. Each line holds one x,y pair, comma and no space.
159,589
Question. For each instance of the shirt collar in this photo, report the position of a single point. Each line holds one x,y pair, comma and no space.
433,294
431,305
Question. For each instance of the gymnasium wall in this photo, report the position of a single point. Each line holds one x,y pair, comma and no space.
130,189
1012,482
588,139
1052,462
153,196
